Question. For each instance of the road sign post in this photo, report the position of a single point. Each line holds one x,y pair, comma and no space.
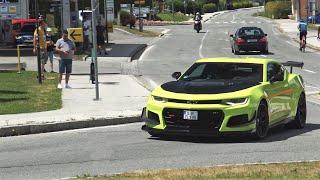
94,7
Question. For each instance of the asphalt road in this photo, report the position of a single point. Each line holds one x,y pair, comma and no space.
114,149
181,46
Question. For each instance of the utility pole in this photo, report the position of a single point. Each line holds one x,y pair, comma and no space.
94,7
38,40
106,19
140,19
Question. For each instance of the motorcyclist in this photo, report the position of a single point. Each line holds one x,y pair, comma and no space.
303,29
198,17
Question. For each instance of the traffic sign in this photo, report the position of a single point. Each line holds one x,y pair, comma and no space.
75,34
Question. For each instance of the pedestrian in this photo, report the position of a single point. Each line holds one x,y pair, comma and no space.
42,44
66,48
100,39
50,48
86,30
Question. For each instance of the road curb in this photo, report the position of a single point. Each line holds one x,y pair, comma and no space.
53,127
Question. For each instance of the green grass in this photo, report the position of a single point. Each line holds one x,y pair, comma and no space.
144,33
288,171
177,17
21,93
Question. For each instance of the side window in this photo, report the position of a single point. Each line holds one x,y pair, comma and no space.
275,69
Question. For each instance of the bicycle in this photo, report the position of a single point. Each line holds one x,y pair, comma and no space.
303,44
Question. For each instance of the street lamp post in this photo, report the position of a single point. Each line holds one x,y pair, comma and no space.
106,19
37,42
94,49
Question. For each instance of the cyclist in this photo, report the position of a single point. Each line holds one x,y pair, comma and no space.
303,29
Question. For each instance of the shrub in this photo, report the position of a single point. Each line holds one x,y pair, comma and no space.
209,8
278,9
125,18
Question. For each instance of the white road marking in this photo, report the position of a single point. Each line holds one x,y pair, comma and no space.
292,43
312,92
217,22
200,48
251,22
165,31
145,52
307,70
243,22
225,22
258,22
152,83
315,87
262,55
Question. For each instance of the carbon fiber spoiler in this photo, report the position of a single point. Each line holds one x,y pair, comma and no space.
293,64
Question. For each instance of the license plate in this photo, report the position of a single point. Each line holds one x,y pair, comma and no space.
190,115
252,40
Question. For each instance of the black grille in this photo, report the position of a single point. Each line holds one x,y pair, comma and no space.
153,116
238,120
207,119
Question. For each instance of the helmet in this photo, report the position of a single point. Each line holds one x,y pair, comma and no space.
197,13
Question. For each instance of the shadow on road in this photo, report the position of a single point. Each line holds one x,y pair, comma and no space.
279,133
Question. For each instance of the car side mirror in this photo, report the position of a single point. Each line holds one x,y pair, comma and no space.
275,78
176,75
266,34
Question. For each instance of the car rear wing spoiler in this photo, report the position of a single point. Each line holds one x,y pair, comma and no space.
293,64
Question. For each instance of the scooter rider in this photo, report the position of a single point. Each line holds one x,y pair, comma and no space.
198,17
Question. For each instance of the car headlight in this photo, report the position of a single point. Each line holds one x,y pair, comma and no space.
232,102
18,37
160,99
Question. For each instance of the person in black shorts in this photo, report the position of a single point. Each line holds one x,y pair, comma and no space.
100,39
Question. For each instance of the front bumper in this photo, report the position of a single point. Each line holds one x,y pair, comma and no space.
223,120
252,47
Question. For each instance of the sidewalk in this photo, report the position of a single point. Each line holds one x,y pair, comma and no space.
122,100
289,27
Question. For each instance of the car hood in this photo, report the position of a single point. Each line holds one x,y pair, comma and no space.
202,91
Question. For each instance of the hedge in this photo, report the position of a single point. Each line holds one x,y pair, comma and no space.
243,4
278,9
209,8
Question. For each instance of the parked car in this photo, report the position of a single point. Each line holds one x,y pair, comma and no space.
314,19
249,39
25,36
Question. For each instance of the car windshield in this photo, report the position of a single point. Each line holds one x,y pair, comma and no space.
250,32
225,72
28,28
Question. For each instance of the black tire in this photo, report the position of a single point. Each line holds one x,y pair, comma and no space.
153,134
232,50
299,121
198,30
262,121
236,52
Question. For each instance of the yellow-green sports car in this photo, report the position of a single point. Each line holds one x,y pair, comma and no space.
218,96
